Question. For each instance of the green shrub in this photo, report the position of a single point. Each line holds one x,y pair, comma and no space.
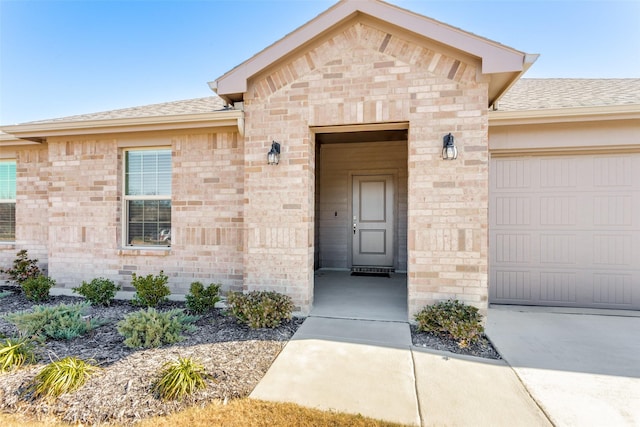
151,328
99,291
180,378
260,309
201,299
63,321
37,288
23,268
15,352
150,290
461,322
62,376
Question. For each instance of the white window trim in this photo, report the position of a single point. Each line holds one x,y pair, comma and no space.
9,201
126,198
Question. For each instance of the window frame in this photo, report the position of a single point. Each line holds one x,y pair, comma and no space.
126,198
13,200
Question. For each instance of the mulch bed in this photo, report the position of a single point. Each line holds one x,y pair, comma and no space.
483,348
235,356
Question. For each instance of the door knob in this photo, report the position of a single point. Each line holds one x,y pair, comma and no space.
354,228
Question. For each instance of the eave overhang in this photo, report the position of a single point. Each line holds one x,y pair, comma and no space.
504,64
10,140
564,115
39,132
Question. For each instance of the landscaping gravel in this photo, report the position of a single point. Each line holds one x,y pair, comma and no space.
483,348
235,356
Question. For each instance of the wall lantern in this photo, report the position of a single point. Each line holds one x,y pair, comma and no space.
273,156
449,150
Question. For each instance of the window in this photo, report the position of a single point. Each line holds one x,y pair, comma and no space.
148,197
7,201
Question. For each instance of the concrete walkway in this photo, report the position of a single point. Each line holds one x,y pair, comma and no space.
370,368
582,367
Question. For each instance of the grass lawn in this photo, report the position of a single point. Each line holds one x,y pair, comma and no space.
236,413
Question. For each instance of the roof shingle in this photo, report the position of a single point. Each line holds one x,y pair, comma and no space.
537,94
526,94
187,106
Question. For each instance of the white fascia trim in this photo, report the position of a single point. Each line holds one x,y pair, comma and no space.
10,140
496,58
564,115
35,131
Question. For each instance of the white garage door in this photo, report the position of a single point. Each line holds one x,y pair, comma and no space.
565,231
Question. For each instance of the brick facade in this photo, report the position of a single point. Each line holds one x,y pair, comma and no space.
69,210
248,225
362,74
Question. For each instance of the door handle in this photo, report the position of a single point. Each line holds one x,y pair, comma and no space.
354,228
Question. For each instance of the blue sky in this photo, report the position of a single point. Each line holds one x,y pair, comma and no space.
65,57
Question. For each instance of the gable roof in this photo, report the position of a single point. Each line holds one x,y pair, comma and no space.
504,64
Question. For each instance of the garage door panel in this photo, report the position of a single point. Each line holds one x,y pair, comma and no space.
558,173
613,171
565,231
558,287
612,210
512,248
612,288
512,285
558,210
512,210
557,249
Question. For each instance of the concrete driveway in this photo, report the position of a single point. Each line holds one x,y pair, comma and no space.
582,368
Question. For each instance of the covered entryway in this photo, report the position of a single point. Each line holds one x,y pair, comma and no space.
565,230
340,95
361,199
361,224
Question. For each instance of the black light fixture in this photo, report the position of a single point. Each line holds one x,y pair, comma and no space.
449,150
273,156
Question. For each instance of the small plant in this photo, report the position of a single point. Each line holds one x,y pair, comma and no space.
452,318
260,309
150,290
63,321
37,288
15,352
180,378
62,376
5,294
201,299
23,268
151,328
99,291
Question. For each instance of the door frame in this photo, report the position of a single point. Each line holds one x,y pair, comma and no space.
349,230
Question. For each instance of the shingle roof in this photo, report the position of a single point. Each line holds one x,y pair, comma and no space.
537,94
526,94
187,106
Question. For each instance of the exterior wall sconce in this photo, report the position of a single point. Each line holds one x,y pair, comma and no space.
449,150
273,156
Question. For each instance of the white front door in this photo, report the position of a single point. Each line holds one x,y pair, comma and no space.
372,225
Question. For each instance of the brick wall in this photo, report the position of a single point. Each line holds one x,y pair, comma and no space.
69,210
364,74
32,206
238,221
